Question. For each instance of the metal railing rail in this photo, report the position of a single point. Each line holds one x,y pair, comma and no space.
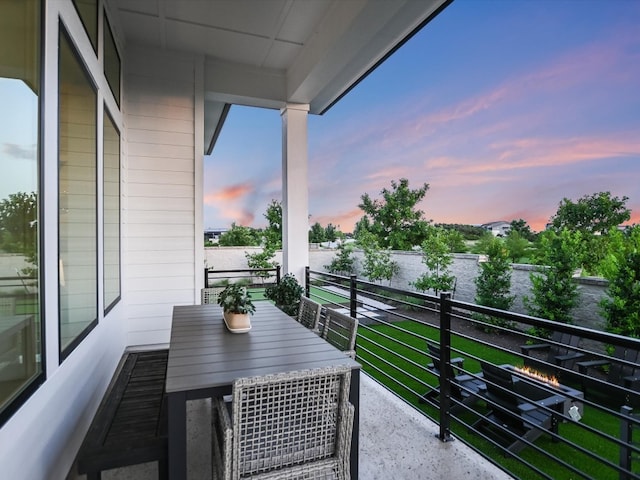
242,274
392,348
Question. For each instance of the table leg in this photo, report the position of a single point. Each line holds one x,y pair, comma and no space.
354,398
177,430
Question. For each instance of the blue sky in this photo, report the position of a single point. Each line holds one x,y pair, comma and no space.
504,107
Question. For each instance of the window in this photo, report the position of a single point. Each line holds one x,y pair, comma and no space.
111,215
88,13
111,61
77,209
21,356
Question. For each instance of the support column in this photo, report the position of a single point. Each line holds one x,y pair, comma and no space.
295,191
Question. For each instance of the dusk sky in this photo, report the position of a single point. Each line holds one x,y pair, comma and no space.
504,107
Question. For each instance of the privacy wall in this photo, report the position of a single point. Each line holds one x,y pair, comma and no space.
465,268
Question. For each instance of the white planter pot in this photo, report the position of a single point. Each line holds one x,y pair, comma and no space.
237,322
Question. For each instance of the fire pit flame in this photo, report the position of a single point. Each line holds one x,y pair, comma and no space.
541,377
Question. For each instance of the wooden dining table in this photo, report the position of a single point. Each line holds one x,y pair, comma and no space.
205,358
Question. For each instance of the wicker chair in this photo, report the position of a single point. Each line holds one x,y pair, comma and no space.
290,425
340,331
309,313
210,295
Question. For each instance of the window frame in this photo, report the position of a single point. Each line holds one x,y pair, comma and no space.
39,378
66,351
107,308
84,25
107,30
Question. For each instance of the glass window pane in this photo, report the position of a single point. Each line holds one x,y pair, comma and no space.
111,213
20,330
77,198
111,61
88,12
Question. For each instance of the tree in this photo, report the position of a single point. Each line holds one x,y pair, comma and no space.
592,215
317,233
517,246
437,258
455,241
273,233
554,291
343,263
377,265
331,233
493,285
18,217
622,268
595,213
394,219
262,259
523,229
483,243
469,232
362,228
239,236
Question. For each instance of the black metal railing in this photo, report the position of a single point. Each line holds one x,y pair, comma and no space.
579,432
573,430
256,277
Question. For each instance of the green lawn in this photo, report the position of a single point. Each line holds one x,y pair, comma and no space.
321,296
327,298
397,360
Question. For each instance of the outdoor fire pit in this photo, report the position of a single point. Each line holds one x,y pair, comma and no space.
572,395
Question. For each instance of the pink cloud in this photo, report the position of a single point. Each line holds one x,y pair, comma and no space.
549,152
232,192
345,220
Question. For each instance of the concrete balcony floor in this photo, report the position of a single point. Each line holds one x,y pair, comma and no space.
396,442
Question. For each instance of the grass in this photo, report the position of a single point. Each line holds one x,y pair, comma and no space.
399,360
321,296
326,297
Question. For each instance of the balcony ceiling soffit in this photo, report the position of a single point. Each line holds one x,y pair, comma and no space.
270,52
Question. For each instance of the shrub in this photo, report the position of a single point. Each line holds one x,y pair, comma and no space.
286,294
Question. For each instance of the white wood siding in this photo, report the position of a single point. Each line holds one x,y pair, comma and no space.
159,192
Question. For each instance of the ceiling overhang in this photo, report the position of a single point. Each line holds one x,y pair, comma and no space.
270,53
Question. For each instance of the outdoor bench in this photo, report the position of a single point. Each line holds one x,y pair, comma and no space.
130,426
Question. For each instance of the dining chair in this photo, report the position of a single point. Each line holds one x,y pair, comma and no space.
210,295
309,313
287,425
7,306
340,330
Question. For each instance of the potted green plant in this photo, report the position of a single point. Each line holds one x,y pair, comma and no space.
237,307
286,294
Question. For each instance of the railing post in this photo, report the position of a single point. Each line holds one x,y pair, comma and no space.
278,274
307,280
626,438
445,361
353,300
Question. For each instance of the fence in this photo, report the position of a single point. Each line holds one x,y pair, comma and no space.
575,425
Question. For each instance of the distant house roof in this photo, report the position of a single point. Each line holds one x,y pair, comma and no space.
499,228
498,223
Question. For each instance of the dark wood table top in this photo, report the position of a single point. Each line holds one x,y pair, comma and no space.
204,355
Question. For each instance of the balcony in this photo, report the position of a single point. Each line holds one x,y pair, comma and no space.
403,435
